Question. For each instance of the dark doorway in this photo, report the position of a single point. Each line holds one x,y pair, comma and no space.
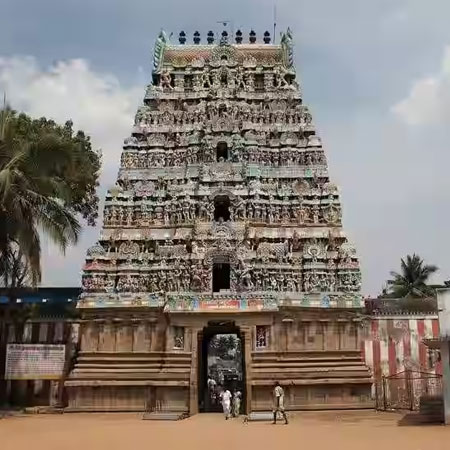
221,208
222,151
221,365
221,276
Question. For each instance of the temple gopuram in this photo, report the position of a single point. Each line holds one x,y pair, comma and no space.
222,260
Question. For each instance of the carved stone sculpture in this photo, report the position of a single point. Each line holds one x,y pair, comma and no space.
223,166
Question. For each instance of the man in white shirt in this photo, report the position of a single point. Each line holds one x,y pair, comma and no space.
225,397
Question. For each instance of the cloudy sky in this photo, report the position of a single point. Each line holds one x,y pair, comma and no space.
376,74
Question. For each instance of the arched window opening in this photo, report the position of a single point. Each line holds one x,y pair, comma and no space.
222,151
221,276
221,209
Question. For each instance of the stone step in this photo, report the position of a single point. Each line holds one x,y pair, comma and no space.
421,419
312,381
290,369
307,355
113,358
307,361
337,354
161,415
283,375
95,382
132,364
126,376
350,405
298,363
130,354
263,416
129,370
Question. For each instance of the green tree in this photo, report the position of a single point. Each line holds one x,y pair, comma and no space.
412,279
222,344
14,271
48,180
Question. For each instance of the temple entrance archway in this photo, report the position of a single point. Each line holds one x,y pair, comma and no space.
220,359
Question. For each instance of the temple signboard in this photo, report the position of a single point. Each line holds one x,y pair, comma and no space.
34,361
205,303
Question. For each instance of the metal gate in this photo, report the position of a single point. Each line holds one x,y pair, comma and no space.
404,389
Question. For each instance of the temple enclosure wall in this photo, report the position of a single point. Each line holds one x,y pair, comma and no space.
136,365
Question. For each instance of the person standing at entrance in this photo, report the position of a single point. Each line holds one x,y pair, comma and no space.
278,403
211,390
237,396
225,398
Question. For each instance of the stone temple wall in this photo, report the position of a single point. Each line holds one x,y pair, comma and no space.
388,345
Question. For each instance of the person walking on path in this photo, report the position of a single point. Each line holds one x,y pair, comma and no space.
225,397
278,403
237,403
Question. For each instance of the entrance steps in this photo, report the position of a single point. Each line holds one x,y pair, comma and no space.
309,368
262,416
139,368
164,415
431,411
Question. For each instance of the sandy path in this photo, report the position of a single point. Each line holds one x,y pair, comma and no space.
353,430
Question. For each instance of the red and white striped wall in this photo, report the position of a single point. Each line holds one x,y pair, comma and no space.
394,343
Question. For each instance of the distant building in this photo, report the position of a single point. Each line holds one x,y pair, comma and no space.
40,295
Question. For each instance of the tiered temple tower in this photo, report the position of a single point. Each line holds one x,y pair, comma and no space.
223,220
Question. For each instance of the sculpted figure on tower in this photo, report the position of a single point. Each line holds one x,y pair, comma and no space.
224,138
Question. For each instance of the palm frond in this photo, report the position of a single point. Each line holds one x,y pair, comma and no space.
412,279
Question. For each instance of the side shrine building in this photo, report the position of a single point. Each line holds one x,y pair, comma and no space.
222,259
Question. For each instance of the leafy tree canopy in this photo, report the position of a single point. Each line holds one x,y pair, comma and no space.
78,167
48,179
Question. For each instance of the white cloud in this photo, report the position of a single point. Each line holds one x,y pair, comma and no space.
97,104
428,102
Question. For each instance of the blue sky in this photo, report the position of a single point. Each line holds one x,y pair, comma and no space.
376,75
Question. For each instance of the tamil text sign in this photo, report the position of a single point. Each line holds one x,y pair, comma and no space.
34,361
205,303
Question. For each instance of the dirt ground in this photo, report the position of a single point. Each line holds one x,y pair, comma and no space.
365,430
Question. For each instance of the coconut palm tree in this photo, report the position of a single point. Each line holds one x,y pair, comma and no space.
14,271
412,280
33,194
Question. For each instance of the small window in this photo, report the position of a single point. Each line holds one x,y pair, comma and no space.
222,209
222,151
221,276
262,336
188,83
259,82
178,338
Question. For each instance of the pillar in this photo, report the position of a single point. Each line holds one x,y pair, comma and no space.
445,357
443,298
246,333
193,378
